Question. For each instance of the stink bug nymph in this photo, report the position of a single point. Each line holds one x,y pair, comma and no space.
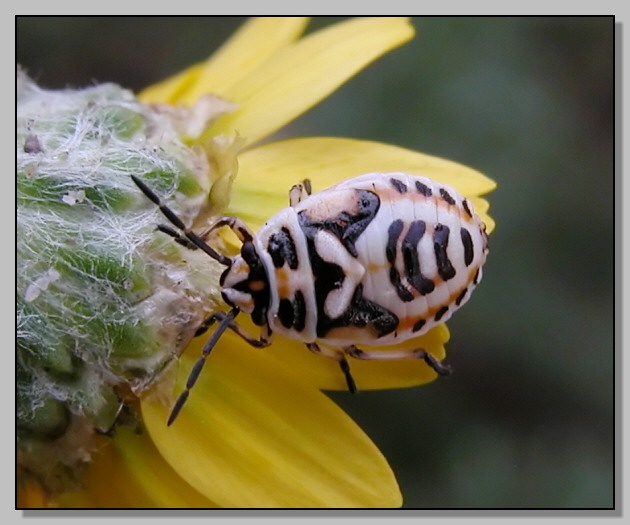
374,260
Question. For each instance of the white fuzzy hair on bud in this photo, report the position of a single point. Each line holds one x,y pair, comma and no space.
104,301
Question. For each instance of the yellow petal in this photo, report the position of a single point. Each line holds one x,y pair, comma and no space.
168,91
128,472
324,373
251,435
266,173
481,208
301,75
251,45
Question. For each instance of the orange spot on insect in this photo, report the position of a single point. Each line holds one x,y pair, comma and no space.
282,282
373,267
257,286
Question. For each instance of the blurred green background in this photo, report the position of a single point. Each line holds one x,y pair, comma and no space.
527,419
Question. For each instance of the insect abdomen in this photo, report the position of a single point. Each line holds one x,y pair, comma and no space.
374,260
422,253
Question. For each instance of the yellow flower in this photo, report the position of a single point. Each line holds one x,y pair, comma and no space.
257,430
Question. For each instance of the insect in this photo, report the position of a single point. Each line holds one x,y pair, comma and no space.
374,260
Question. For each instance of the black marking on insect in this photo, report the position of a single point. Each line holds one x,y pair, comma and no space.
292,313
399,185
418,325
440,313
440,244
299,311
393,233
356,264
468,246
423,189
467,208
411,258
461,296
447,196
282,249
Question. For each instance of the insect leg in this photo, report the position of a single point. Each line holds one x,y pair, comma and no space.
179,224
340,358
299,192
417,353
196,370
262,341
241,230
226,320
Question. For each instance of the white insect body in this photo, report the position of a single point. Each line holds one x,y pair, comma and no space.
374,260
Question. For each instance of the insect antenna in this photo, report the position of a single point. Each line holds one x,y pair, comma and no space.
196,241
224,324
